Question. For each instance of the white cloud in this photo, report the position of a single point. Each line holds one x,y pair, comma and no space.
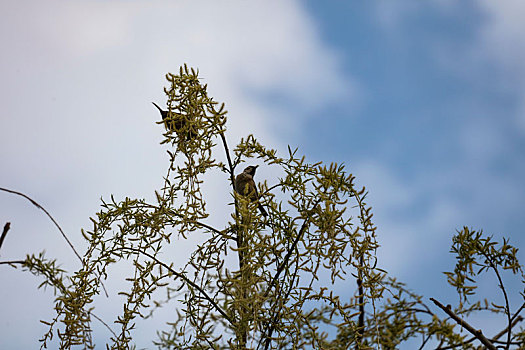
66,30
501,38
503,29
413,231
498,40
77,122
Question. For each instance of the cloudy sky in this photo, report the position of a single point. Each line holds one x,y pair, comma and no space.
423,102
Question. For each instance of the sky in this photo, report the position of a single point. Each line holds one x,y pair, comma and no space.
423,101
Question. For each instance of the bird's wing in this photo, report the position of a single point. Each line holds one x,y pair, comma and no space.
240,183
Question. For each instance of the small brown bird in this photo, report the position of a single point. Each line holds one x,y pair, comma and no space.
174,122
244,185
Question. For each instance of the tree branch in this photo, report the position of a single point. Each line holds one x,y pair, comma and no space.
518,312
232,180
361,320
198,223
186,279
272,323
507,306
230,165
104,323
425,340
493,339
7,226
477,333
48,215
283,264
280,269
21,262
56,224
507,329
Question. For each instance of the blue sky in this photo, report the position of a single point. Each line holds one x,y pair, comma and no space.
437,108
423,102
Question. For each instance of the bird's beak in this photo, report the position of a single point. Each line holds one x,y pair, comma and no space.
255,166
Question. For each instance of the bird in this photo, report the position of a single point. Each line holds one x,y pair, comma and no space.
245,186
174,122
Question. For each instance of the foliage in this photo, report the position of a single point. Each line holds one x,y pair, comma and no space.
304,277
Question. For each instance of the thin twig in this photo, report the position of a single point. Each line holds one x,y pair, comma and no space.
56,224
507,306
454,346
104,323
477,333
49,216
278,313
281,267
174,213
507,329
269,189
230,165
186,279
493,339
367,227
361,321
240,238
516,314
425,341
198,223
21,262
232,180
7,226
288,254
515,319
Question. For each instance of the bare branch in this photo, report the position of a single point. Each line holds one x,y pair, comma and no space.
518,312
12,262
230,165
104,323
477,333
493,339
56,224
507,329
48,215
507,306
425,340
361,321
7,226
